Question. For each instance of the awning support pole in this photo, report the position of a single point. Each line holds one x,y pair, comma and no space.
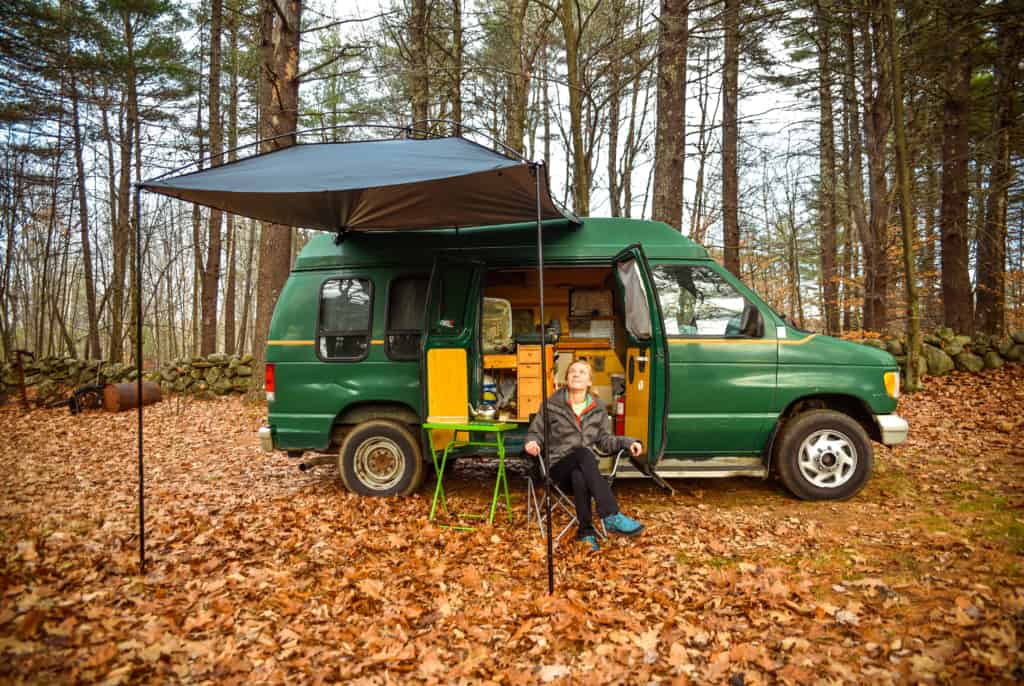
544,381
138,377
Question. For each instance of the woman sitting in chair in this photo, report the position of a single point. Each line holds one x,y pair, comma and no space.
578,420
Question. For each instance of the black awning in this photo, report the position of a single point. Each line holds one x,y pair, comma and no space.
372,186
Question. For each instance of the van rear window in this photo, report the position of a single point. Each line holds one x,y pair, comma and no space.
344,329
407,299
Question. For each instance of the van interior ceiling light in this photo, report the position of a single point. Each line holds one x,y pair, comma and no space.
892,384
268,381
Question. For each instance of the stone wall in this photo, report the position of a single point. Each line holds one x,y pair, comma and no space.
218,374
943,351
55,378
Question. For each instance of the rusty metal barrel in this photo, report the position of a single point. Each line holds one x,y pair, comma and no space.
125,396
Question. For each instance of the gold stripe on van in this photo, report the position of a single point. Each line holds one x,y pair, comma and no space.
290,342
380,342
733,341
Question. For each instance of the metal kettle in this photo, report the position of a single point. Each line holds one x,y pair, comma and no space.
486,411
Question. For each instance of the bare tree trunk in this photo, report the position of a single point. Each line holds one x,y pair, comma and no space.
517,80
567,14
827,169
92,349
854,178
877,121
670,136
730,126
279,103
197,246
248,288
419,76
906,213
457,49
958,308
698,222
122,236
990,315
211,273
232,247
615,68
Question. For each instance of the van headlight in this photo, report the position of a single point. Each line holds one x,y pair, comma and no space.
892,384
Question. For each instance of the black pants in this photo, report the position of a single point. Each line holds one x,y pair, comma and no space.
578,471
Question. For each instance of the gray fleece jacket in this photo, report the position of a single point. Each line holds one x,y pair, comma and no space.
568,433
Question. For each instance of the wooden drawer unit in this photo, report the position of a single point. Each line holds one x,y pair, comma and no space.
529,385
530,389
529,354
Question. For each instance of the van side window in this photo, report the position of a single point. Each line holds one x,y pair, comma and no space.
698,301
344,329
407,298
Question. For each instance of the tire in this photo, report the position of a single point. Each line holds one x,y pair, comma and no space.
380,458
824,455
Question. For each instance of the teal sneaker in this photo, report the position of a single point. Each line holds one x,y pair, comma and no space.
619,523
591,541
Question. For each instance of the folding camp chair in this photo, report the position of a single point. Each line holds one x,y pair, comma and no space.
561,503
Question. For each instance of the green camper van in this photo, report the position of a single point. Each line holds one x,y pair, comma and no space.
378,333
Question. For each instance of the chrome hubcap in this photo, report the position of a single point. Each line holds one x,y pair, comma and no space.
828,458
378,463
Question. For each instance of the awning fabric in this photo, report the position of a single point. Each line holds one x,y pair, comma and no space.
372,186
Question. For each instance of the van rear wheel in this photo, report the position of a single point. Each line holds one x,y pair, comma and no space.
823,455
380,457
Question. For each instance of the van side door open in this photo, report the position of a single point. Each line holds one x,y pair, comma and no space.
646,356
723,362
450,339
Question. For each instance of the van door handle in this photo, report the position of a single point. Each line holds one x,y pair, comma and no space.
643,363
632,361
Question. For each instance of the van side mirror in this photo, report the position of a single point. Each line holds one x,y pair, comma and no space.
752,324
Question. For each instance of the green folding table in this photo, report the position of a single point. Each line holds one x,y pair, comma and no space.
495,438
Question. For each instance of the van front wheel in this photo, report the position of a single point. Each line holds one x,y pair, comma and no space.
380,457
823,455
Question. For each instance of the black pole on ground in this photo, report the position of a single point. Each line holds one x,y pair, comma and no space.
138,377
537,169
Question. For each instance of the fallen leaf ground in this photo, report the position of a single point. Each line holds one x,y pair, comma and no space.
259,573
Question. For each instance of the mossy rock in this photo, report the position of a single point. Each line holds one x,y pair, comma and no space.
222,386
895,347
212,375
938,362
953,348
874,343
240,383
1002,344
234,362
201,364
46,391
980,344
196,373
217,358
169,374
248,358
932,339
969,362
993,360
1015,353
1018,337
243,370
945,333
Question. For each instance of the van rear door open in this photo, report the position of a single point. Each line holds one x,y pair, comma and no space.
646,361
450,340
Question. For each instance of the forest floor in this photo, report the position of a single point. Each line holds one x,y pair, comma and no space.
260,573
